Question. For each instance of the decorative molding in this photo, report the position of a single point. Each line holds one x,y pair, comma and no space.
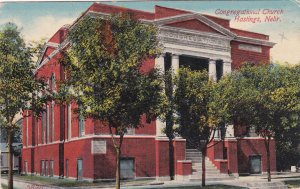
58,49
252,48
197,52
254,41
196,39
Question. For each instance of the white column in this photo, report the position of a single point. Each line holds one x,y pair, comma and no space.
212,70
229,131
160,65
175,64
226,67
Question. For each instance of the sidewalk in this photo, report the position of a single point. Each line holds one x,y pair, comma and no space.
239,182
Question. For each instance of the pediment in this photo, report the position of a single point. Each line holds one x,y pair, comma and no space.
194,21
194,24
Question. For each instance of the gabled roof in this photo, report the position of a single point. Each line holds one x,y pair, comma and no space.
162,16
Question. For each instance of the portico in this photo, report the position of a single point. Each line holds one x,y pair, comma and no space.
196,50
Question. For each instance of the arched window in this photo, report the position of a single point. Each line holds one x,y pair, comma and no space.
52,83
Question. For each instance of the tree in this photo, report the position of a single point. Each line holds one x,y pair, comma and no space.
265,97
103,66
197,122
17,84
169,118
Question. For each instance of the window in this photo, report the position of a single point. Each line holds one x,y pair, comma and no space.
127,168
47,124
51,168
25,167
42,167
43,127
67,168
52,82
46,168
69,112
79,169
251,131
27,128
52,122
81,123
255,164
130,131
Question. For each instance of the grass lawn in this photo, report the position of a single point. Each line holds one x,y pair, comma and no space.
3,186
54,181
292,183
73,183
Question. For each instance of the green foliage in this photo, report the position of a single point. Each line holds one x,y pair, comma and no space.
103,69
265,96
18,86
17,82
192,103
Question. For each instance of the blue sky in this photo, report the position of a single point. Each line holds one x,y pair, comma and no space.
41,19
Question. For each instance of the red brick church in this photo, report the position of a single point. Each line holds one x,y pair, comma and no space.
63,144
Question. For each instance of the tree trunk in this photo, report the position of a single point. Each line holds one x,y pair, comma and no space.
10,159
267,145
268,160
118,155
171,158
204,149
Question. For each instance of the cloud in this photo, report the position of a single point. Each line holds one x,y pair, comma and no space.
45,27
287,48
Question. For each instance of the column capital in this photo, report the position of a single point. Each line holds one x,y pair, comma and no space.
212,61
227,61
162,55
175,55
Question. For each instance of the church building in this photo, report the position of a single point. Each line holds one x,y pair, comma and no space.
63,144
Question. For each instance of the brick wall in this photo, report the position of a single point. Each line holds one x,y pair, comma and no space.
255,146
239,56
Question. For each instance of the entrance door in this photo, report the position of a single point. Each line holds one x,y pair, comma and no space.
79,169
127,168
255,164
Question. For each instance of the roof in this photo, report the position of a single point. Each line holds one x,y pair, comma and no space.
160,16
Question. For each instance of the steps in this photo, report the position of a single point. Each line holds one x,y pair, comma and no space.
212,173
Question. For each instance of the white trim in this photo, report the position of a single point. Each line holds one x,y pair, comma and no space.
254,41
201,18
107,136
164,138
203,53
252,138
184,161
60,47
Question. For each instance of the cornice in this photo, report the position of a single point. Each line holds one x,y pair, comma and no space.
254,41
197,16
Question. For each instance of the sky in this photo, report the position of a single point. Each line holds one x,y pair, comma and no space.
39,20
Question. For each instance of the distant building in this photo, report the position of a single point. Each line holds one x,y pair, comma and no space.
17,146
4,158
64,144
